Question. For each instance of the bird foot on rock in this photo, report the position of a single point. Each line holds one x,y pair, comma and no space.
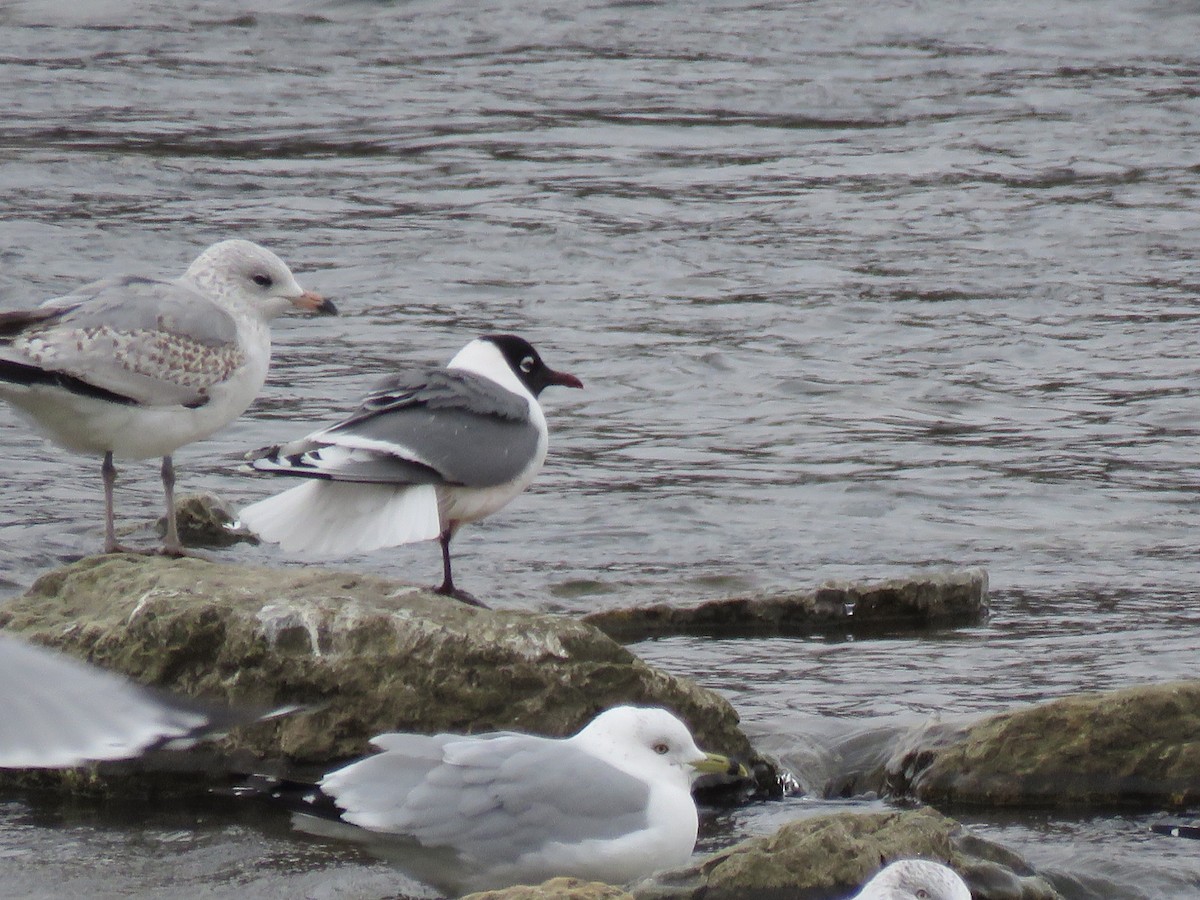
175,552
461,596
114,547
178,551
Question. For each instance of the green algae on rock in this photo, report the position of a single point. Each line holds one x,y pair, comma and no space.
555,889
371,655
928,600
832,855
1137,747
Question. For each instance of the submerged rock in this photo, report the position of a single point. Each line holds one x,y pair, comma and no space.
1134,747
832,856
371,655
933,600
205,520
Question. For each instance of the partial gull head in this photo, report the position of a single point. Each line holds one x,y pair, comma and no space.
427,451
915,879
613,803
243,273
133,368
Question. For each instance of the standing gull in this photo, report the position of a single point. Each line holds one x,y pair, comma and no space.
426,452
133,368
915,879
56,711
612,803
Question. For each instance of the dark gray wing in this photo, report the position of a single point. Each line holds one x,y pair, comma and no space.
436,426
492,798
440,388
147,341
15,321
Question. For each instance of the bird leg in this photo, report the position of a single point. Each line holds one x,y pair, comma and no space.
171,544
109,473
447,587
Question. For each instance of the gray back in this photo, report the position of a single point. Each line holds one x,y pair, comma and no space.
466,428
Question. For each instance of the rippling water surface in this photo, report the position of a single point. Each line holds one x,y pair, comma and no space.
853,293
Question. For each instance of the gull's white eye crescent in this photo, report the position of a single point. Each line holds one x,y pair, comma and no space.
527,364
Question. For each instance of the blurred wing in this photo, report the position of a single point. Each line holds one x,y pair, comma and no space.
150,342
56,711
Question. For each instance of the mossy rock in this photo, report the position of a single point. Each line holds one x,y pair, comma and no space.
917,602
370,655
831,856
555,889
1137,747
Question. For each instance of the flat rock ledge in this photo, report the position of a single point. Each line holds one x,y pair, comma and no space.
556,889
822,858
928,600
1136,747
369,654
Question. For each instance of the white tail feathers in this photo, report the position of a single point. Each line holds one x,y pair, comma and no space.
339,518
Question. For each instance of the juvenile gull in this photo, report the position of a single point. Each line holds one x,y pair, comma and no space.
613,803
132,368
915,879
56,711
427,451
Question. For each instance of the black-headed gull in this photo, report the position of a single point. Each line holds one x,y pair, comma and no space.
613,803
915,879
133,368
425,453
56,711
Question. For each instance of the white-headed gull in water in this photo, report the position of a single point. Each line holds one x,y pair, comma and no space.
613,803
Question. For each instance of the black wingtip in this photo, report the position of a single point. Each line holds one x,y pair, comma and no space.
21,373
291,795
271,453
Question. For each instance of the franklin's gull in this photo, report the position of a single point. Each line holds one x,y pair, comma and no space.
426,452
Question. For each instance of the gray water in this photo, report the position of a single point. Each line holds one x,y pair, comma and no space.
854,292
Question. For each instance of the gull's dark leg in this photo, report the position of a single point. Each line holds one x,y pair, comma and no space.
447,586
447,578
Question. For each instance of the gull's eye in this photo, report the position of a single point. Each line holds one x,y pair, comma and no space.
660,748
262,280
528,364
922,893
